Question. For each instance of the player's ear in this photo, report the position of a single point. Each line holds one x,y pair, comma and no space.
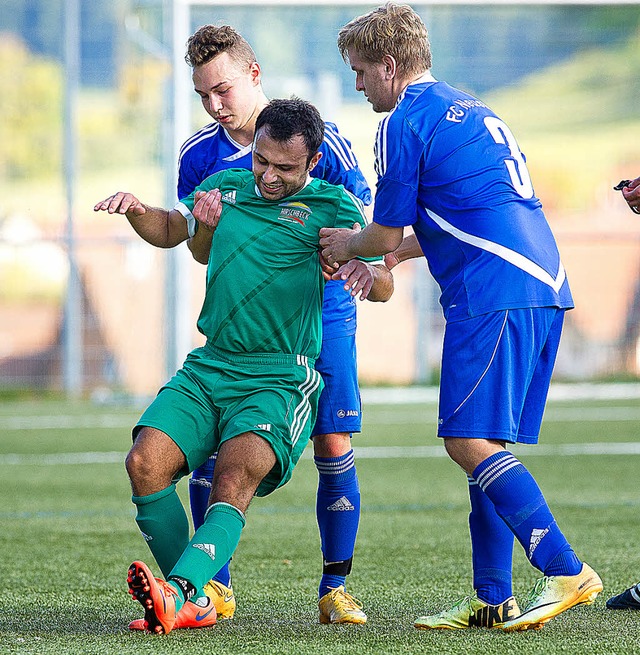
390,66
314,161
255,73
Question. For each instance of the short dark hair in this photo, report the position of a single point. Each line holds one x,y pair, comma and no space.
285,118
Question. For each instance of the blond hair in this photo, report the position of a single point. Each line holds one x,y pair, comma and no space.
391,29
210,41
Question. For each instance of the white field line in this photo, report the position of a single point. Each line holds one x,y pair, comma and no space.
361,452
117,421
558,391
66,422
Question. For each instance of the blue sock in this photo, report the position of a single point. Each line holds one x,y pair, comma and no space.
491,548
199,493
519,501
200,490
338,515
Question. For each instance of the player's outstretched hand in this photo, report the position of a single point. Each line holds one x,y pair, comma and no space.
208,208
334,242
121,203
358,277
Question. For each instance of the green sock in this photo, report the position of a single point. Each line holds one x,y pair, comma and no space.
164,526
210,549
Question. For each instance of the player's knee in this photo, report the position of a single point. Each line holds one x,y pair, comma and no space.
456,449
233,488
335,444
150,466
139,470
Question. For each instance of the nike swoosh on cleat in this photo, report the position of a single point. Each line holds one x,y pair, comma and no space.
533,609
200,617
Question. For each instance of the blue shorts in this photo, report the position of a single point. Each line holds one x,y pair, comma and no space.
496,371
339,407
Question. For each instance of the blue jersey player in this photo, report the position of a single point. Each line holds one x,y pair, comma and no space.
629,599
228,79
451,169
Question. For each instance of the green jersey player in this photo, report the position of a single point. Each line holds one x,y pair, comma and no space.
251,392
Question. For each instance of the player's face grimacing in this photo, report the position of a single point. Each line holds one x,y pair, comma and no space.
229,94
280,167
373,80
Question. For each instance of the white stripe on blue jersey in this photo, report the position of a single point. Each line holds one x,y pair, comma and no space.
238,155
515,258
380,147
207,132
341,148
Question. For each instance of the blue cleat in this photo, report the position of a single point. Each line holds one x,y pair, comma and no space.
627,600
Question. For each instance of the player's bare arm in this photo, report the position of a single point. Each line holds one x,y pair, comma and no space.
207,211
340,245
159,227
373,282
408,249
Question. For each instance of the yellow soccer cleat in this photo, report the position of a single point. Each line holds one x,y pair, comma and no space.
470,612
222,597
554,594
340,607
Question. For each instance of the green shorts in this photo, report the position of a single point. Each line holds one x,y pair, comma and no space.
216,396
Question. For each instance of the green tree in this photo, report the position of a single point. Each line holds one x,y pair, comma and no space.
31,107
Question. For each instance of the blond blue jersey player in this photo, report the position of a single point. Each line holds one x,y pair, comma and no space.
452,170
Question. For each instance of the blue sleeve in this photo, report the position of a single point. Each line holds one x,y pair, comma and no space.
188,179
399,152
339,165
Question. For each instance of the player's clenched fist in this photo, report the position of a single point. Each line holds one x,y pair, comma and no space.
121,203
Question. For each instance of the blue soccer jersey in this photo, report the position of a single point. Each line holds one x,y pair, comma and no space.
211,150
449,167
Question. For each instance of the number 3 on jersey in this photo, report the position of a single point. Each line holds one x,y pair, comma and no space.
516,166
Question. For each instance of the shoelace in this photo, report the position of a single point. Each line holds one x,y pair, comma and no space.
347,599
465,602
536,592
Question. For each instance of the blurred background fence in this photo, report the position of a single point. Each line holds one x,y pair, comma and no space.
74,130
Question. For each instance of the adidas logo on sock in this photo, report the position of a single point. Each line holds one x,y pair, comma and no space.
536,537
209,549
341,505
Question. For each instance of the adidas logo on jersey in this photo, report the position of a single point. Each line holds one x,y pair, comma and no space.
209,549
536,537
341,505
491,615
229,197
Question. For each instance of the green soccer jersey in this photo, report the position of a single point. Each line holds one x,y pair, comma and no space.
264,283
